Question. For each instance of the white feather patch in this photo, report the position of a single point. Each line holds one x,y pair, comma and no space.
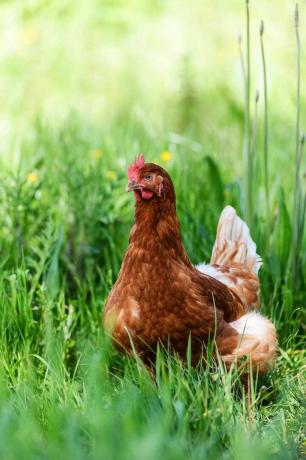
208,270
253,323
215,273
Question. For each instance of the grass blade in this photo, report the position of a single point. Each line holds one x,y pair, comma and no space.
266,128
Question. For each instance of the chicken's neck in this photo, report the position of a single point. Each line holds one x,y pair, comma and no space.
156,228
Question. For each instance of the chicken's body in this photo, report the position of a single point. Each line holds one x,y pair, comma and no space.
160,297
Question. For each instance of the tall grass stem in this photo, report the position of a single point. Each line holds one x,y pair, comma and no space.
241,59
253,147
266,128
297,208
247,160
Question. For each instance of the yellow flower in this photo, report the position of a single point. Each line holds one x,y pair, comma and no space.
166,156
32,178
110,175
96,154
29,36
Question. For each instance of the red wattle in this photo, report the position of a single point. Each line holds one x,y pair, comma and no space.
146,194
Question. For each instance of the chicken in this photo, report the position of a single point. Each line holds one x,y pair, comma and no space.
160,297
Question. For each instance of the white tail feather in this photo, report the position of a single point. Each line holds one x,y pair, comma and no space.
234,243
258,341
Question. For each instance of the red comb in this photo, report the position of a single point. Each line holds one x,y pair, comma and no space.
134,169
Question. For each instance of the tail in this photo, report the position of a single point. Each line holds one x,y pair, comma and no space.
256,334
234,243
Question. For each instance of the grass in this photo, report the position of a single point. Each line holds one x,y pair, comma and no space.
65,220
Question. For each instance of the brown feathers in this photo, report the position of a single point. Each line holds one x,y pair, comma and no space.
160,297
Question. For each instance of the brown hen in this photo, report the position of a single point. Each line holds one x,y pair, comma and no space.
160,297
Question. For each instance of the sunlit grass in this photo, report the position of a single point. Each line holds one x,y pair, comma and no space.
64,236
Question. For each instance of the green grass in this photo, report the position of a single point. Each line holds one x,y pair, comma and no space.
69,132
64,391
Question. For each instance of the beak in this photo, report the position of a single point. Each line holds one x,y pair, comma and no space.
132,185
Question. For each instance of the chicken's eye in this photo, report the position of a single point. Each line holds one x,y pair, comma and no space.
148,177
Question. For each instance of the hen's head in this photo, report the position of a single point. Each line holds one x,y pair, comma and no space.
149,182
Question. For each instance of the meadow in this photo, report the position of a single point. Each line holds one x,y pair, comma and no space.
84,87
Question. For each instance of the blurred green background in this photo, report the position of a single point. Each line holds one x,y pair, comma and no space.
169,66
